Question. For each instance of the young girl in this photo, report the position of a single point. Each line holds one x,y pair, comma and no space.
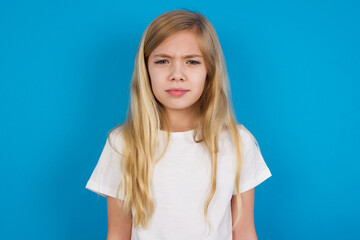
180,166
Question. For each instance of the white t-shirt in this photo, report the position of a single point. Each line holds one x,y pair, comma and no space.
181,184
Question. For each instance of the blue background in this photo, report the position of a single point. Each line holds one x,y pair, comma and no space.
65,69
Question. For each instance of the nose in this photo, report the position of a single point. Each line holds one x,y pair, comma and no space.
177,71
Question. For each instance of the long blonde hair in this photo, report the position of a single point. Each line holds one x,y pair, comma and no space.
146,115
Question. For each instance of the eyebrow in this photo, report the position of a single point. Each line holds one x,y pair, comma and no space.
186,56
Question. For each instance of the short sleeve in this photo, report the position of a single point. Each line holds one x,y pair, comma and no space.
107,175
254,169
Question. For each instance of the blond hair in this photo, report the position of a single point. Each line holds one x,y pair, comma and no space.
146,115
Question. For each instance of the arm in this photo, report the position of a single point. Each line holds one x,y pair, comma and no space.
119,226
245,228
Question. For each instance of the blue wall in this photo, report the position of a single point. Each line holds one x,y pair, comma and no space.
65,68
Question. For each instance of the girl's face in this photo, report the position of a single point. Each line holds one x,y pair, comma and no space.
177,71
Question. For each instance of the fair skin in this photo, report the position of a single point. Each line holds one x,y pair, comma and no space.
119,225
177,62
245,227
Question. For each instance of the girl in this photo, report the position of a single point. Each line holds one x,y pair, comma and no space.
180,166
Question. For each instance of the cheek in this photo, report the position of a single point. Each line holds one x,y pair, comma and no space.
154,79
155,73
157,86
201,79
198,88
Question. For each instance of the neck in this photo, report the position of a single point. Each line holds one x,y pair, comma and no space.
180,120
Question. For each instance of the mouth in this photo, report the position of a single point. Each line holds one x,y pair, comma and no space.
177,91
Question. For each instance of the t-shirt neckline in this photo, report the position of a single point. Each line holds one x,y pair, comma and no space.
179,134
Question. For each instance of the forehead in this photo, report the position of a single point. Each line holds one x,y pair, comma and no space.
185,42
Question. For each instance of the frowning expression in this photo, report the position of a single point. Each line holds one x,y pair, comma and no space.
177,71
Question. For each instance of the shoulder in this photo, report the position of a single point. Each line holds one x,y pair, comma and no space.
249,142
116,131
245,134
246,137
115,138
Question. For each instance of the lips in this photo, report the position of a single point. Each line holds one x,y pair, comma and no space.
177,91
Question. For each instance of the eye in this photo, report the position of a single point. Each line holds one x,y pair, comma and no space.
161,61
193,62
